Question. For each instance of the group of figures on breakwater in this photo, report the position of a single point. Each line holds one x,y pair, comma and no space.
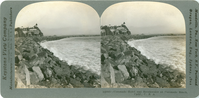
122,66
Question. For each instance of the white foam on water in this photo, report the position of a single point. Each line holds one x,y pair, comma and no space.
78,51
169,50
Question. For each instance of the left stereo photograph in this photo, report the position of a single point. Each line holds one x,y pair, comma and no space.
57,45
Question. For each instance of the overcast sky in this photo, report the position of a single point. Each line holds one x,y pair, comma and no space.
73,18
145,17
60,18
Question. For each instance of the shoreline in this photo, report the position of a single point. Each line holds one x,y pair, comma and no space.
52,38
38,67
148,57
66,60
124,66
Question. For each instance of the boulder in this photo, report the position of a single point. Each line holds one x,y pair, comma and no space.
26,56
155,85
16,59
64,70
53,80
33,78
20,57
127,59
124,71
42,54
144,69
36,49
38,71
69,86
76,83
104,83
17,52
128,52
150,63
103,50
58,70
23,73
37,61
174,84
119,76
112,74
33,57
27,76
20,84
133,71
162,83
121,60
47,72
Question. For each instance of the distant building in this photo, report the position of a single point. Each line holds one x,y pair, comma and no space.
28,32
115,30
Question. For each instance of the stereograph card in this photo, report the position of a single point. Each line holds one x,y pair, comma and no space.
99,49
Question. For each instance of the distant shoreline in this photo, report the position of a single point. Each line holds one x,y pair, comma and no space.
155,37
142,36
51,38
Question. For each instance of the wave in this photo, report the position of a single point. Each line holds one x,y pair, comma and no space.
82,52
167,50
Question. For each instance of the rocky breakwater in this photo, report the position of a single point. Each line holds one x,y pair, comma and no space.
125,67
36,67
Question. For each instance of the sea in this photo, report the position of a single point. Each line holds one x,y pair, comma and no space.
167,50
82,52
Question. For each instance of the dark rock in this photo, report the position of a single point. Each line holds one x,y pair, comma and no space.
112,74
23,73
103,50
17,52
33,57
36,49
33,78
133,71
119,78
144,69
16,59
37,61
26,56
174,84
75,83
47,73
25,50
65,71
38,71
150,79
58,70
155,85
102,58
128,53
53,80
87,85
162,83
42,54
124,71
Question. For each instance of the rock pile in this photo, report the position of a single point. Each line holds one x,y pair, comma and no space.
125,67
36,67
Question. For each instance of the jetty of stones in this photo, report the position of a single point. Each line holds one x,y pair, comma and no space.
125,67
36,67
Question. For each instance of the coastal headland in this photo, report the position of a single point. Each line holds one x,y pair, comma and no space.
125,67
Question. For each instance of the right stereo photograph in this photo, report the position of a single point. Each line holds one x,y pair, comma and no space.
143,45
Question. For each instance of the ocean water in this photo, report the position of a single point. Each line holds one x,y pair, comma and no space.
168,50
81,52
